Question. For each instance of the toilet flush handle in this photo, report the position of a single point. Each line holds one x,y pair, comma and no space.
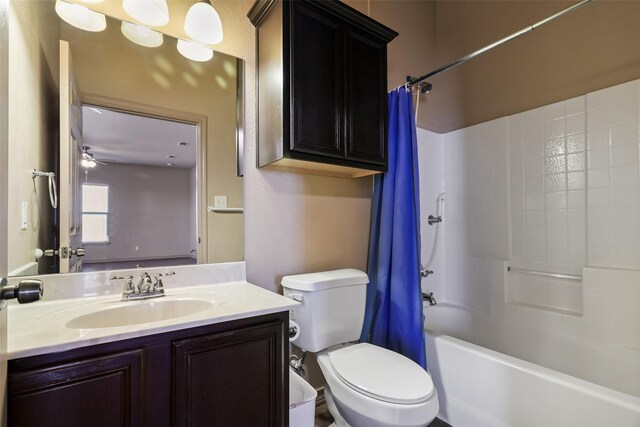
296,297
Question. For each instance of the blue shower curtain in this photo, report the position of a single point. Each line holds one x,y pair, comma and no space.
393,317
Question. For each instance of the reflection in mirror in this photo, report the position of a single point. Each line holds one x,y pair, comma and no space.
141,172
108,116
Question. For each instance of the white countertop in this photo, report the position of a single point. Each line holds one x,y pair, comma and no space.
41,327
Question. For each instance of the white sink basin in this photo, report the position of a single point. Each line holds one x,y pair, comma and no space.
139,312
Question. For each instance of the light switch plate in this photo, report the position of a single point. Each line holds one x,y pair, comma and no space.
24,217
220,202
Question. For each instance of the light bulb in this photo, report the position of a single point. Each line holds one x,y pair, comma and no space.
194,51
203,24
154,13
80,16
139,34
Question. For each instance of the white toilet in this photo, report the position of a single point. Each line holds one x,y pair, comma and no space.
367,386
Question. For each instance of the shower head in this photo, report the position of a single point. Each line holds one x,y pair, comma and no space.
425,87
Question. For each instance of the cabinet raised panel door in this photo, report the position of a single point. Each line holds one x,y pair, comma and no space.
98,392
366,99
316,77
229,379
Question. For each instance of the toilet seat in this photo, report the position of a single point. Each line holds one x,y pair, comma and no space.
382,374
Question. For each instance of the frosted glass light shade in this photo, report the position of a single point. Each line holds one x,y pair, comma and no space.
80,16
194,51
203,24
139,34
154,13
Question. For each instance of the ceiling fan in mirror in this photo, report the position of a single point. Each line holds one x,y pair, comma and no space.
88,159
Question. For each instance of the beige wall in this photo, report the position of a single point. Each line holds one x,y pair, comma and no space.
33,109
293,223
589,49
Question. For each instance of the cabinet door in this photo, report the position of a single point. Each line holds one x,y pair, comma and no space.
366,98
317,80
231,379
104,391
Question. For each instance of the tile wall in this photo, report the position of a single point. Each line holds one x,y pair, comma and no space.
613,217
547,162
552,189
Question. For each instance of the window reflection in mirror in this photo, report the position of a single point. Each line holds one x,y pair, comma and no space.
167,221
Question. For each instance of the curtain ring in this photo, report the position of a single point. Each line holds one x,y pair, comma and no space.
408,87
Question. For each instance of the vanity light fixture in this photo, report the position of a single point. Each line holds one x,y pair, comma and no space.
171,156
80,16
194,51
203,24
154,13
141,35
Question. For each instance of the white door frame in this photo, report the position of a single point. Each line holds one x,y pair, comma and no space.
200,121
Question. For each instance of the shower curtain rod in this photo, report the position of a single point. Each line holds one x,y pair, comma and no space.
427,87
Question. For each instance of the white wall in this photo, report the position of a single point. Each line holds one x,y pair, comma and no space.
554,189
150,207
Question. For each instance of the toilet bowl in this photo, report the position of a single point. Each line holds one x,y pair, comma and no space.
369,386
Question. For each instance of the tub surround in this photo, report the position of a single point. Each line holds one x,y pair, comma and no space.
554,189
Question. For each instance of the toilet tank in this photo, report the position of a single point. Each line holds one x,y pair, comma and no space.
331,309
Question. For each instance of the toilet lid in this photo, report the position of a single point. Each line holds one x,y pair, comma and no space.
382,374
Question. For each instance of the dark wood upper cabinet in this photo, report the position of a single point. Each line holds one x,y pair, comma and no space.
322,84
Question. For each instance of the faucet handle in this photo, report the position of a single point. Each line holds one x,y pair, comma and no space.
158,286
128,283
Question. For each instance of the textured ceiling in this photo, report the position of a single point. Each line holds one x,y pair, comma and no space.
127,138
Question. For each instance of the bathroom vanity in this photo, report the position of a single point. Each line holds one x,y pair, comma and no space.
84,361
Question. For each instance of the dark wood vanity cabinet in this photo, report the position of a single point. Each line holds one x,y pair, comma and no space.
322,83
229,374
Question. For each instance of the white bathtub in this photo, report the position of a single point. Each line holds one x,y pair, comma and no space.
478,387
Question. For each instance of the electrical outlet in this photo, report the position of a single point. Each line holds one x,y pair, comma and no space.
220,202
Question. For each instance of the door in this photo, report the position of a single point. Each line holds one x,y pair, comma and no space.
212,373
317,88
366,98
69,203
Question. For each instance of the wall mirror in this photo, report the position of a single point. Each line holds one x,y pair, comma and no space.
136,148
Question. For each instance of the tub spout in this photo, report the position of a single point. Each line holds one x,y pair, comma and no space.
429,297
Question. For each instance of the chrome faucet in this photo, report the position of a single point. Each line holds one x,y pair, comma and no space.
429,297
146,287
